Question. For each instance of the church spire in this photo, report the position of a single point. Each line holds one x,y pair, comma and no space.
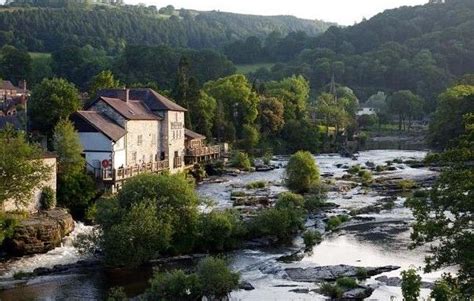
332,87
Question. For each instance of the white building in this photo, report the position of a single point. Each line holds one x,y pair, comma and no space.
366,111
128,131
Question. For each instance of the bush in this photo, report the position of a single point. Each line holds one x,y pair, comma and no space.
256,185
241,160
217,281
219,231
302,173
282,223
355,169
48,198
366,176
361,273
21,275
380,168
331,290
289,200
411,283
175,285
238,194
314,203
407,184
116,294
346,282
420,194
8,222
76,192
336,221
311,238
442,291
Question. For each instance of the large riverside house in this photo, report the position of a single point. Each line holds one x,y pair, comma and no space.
125,132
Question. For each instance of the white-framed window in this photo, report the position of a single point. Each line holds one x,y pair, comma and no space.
153,139
134,157
139,139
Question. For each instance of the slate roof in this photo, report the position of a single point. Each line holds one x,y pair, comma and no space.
131,110
153,100
7,85
102,124
193,135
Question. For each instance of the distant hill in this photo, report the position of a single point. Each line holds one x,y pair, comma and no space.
45,29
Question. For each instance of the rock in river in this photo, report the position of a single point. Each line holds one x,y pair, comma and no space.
332,272
40,233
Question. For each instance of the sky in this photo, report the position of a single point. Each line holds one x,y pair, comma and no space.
343,12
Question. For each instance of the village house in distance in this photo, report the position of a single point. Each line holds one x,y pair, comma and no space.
125,132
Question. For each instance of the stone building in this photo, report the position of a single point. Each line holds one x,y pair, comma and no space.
125,132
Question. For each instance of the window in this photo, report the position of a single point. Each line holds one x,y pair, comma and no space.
153,139
151,158
139,140
174,135
134,157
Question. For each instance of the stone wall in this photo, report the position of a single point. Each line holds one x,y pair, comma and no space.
147,150
34,204
40,233
174,127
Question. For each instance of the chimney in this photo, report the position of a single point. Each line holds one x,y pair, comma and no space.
124,94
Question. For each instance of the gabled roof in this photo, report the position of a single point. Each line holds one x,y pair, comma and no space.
131,110
7,85
193,135
102,124
153,100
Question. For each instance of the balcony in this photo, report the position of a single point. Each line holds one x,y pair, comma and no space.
123,173
204,153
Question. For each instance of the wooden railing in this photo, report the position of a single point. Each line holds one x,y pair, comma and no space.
203,151
122,173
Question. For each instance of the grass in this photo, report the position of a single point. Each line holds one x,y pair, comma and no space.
256,185
40,55
248,68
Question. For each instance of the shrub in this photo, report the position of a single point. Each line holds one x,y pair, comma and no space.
314,203
289,200
331,290
389,204
219,231
380,168
175,285
267,157
116,294
241,160
411,283
256,185
420,194
361,273
407,184
282,223
366,176
354,169
346,282
20,275
8,222
238,194
302,173
311,238
217,281
442,291
48,198
76,192
336,221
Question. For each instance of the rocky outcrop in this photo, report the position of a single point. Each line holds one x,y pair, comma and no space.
358,293
397,282
40,233
333,272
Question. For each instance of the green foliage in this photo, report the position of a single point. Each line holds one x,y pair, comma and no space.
137,237
250,138
15,64
354,169
52,100
116,294
241,160
103,80
302,173
212,279
366,176
411,283
216,279
347,282
68,147
406,105
20,275
175,199
76,192
361,273
442,291
299,135
281,223
8,222
21,168
219,231
313,203
311,238
336,221
271,115
447,124
407,184
331,290
256,185
174,285
294,94
48,198
289,200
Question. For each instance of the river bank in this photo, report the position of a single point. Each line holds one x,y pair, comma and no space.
374,238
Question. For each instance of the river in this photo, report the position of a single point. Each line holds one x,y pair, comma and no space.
386,243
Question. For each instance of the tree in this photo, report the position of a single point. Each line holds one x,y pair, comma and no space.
239,102
104,80
447,123
176,202
203,114
21,167
216,279
271,113
15,64
250,137
52,100
411,283
444,214
302,173
68,147
294,93
406,105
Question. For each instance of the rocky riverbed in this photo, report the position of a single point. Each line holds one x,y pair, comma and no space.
376,238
